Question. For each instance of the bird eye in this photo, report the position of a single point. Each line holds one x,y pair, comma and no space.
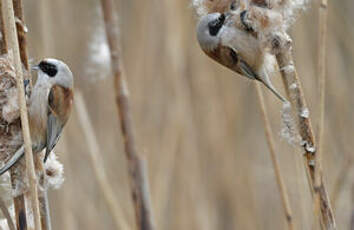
48,68
214,26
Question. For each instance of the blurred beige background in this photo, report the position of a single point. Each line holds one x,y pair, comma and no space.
197,123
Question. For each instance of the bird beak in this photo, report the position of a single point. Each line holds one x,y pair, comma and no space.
35,67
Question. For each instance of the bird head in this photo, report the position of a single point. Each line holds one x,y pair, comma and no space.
208,30
55,71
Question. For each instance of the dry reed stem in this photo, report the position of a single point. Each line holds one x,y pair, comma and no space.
6,214
20,209
290,79
137,179
42,193
46,222
97,163
10,28
21,32
19,201
3,42
270,140
39,166
321,71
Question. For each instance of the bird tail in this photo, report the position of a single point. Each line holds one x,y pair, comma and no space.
264,78
274,91
19,153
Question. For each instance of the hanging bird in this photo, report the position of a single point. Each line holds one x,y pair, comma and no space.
237,49
49,108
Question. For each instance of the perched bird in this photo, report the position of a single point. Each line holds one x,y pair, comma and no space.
49,107
237,49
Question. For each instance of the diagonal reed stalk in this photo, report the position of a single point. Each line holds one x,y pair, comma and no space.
321,71
13,45
294,91
97,163
270,140
138,181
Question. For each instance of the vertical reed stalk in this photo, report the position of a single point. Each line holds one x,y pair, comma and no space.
19,201
13,45
294,91
39,166
270,140
138,184
321,71
21,32
3,42
97,163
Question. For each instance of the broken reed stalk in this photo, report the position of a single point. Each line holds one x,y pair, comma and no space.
6,214
321,71
11,33
97,162
294,91
270,140
17,171
140,199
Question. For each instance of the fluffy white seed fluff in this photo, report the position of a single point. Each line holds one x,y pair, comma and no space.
289,9
10,110
305,113
99,54
54,177
288,131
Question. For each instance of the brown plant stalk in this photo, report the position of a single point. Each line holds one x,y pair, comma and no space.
17,171
39,166
97,163
321,71
13,45
270,140
138,184
294,91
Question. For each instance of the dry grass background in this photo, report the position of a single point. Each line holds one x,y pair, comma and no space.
198,124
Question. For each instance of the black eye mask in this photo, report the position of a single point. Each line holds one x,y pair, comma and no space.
215,26
48,68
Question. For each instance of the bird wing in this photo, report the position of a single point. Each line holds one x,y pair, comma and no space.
233,60
59,106
19,153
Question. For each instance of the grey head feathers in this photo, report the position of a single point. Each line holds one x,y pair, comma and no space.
57,72
208,30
